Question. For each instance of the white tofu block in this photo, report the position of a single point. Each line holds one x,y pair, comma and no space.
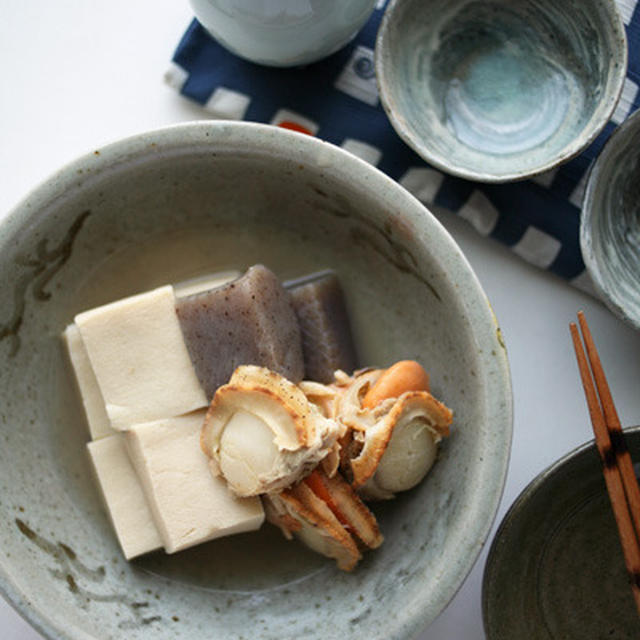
189,504
140,360
123,496
92,401
204,283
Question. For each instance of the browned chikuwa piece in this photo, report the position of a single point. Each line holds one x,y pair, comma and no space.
328,516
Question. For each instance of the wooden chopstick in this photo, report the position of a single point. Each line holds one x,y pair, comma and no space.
618,443
619,476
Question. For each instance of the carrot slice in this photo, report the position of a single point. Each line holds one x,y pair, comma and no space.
406,375
316,484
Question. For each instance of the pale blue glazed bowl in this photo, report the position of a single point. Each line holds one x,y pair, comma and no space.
168,205
500,90
283,33
610,222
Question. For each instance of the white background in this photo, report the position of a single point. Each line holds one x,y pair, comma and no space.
77,74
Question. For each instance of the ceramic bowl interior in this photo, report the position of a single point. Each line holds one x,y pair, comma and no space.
555,568
500,90
610,223
193,199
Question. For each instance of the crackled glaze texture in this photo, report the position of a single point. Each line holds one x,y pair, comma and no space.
556,569
499,90
193,199
610,224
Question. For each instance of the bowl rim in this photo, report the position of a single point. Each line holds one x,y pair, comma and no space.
570,151
594,186
497,398
520,503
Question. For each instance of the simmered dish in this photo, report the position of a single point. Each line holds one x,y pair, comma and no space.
219,403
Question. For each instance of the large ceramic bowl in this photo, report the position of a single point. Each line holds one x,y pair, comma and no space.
610,222
188,200
500,90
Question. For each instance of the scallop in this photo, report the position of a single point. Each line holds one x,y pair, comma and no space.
263,433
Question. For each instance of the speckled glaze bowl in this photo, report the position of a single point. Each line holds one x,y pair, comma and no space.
555,569
610,222
500,90
188,200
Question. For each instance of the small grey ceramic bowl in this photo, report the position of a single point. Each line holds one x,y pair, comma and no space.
555,569
192,199
496,91
610,223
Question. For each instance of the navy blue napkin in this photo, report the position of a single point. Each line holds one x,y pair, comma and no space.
336,99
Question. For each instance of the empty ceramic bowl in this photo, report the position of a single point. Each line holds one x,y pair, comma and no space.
610,222
167,206
555,569
500,90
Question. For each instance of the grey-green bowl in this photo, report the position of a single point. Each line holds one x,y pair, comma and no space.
610,222
186,200
555,570
500,90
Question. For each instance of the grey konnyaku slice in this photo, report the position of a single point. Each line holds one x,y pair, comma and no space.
248,321
327,343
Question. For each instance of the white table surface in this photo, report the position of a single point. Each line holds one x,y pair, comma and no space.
77,74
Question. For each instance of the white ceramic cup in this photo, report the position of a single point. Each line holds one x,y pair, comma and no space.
283,33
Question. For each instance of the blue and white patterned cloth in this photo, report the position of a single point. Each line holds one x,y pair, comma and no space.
336,99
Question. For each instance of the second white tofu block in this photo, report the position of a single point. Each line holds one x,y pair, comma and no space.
125,501
189,504
92,401
139,359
